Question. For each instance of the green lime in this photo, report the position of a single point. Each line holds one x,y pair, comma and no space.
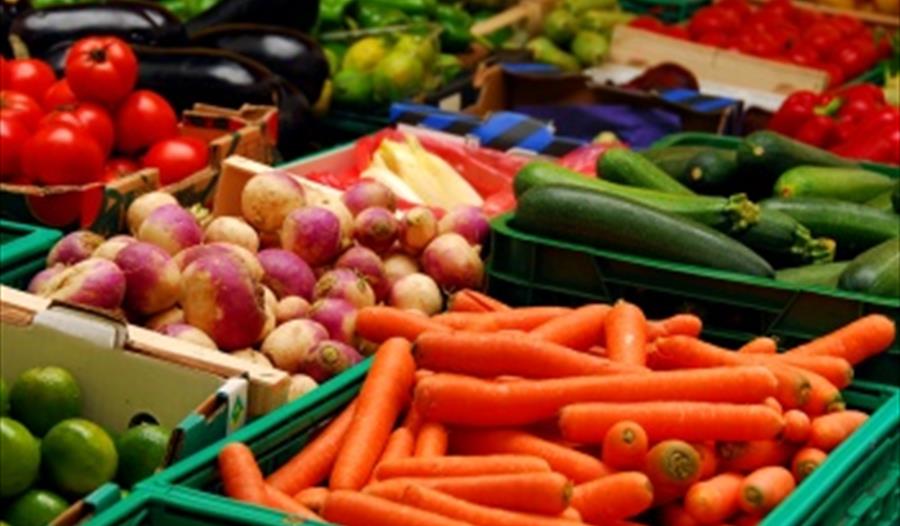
422,48
352,88
35,508
79,456
397,77
142,450
20,457
4,398
560,26
364,54
43,396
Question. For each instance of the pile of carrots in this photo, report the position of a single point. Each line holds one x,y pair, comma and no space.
547,416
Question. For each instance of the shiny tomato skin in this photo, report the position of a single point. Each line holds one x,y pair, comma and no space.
59,94
19,106
118,167
92,117
177,158
31,76
62,154
101,69
143,119
13,135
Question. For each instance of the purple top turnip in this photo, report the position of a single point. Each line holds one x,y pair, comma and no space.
93,282
345,284
74,247
314,234
233,230
291,308
339,209
300,385
417,228
239,255
368,193
111,247
187,333
337,316
269,197
287,346
376,228
329,359
252,356
367,264
167,317
453,263
220,298
143,206
398,265
41,280
171,228
152,277
286,273
467,221
417,292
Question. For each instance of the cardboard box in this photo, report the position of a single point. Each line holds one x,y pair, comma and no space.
122,382
250,131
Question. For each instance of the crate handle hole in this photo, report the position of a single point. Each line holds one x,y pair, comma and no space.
142,418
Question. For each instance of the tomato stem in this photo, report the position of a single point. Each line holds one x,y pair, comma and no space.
98,55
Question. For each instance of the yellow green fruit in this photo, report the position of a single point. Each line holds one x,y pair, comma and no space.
141,449
44,396
79,456
20,457
35,508
365,54
397,77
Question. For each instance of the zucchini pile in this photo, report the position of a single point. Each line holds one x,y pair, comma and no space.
773,203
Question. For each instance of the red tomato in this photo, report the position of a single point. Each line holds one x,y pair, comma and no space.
713,20
13,135
59,94
92,117
144,118
647,22
849,26
715,39
677,32
804,56
758,44
101,69
15,105
738,7
823,37
3,76
177,158
836,75
118,167
29,76
855,57
778,9
61,154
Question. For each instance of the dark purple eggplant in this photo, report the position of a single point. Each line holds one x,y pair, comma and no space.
294,14
185,76
286,52
9,10
138,22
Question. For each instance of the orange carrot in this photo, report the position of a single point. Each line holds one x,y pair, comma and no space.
715,500
748,520
523,319
695,421
749,456
679,324
760,345
349,508
578,466
463,400
806,461
580,329
496,354
709,461
626,334
625,446
617,496
458,466
313,463
824,397
312,498
241,475
448,506
378,324
672,464
774,404
855,341
544,493
765,488
468,300
836,370
277,499
828,431
384,394
432,440
676,515
401,444
796,426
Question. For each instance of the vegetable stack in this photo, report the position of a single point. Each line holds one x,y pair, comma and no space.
549,416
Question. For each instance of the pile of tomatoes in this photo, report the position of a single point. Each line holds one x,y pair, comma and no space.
90,126
841,45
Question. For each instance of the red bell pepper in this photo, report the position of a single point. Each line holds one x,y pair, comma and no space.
876,138
794,111
818,131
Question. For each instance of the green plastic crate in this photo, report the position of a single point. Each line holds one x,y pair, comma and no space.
666,10
526,269
23,251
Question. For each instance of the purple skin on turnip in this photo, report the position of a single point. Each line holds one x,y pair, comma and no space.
417,292
73,248
187,333
376,228
233,230
243,257
171,228
328,359
398,265
345,284
143,206
337,316
417,228
367,264
268,198
111,247
467,221
153,281
291,308
41,280
287,346
93,282
453,263
314,234
286,273
368,193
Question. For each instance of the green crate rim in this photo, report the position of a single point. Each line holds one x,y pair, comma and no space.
32,241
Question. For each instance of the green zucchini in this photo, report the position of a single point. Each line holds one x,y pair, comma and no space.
620,224
882,201
854,227
729,214
673,159
782,240
895,198
824,275
875,271
711,170
848,184
624,166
